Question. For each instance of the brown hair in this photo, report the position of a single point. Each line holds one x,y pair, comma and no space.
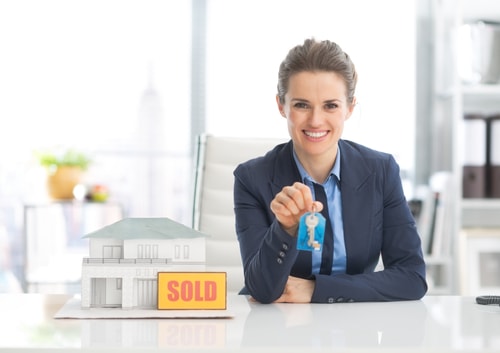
317,56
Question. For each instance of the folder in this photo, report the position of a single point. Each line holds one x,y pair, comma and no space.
494,157
475,161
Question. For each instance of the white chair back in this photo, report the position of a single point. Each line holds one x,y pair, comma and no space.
213,209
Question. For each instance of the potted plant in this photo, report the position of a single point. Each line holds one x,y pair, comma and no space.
64,171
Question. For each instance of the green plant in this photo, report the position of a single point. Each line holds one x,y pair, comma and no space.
70,157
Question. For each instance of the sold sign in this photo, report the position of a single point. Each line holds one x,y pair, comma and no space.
192,290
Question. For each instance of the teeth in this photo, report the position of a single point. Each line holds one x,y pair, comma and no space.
315,134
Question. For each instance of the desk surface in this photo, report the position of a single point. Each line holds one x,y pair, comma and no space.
433,324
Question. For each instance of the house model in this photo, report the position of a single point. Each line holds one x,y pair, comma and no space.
126,256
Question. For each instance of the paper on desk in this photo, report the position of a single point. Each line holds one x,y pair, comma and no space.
72,310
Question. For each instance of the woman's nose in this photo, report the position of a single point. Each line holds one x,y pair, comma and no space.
316,116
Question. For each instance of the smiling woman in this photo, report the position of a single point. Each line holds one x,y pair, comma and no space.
284,194
316,107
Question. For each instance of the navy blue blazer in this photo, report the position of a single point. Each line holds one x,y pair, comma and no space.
377,221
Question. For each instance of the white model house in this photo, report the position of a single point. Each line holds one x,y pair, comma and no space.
126,256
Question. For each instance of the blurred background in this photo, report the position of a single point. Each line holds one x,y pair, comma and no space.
130,84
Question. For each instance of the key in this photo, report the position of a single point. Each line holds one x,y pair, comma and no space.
311,222
311,231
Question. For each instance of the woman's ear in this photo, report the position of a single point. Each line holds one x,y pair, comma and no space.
351,107
281,108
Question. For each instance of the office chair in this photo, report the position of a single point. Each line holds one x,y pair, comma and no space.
213,207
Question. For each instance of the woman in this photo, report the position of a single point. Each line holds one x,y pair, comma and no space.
366,208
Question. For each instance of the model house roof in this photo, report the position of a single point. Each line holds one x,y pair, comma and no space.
145,228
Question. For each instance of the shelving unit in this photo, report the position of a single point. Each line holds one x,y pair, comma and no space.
474,220
478,245
439,274
480,217
480,251
445,102
480,213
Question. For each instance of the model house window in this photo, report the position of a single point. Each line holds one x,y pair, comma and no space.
154,253
111,252
147,251
177,251
140,251
146,290
186,252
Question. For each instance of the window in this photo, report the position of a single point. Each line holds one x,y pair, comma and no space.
112,252
91,74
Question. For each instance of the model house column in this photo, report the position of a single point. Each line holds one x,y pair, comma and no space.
127,292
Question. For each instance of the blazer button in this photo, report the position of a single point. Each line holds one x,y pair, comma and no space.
331,300
285,246
279,260
282,254
340,299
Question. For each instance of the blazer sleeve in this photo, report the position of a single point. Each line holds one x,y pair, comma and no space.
267,251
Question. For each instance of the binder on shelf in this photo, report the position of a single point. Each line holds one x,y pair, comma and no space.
425,219
494,157
475,162
439,243
429,246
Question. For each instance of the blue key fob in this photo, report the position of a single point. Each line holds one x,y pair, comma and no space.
311,232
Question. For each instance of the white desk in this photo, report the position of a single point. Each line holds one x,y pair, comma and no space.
434,324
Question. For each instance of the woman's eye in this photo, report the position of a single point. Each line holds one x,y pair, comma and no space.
300,105
331,106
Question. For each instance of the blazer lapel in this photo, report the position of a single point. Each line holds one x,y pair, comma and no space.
285,170
356,183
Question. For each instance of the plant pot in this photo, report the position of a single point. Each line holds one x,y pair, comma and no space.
62,180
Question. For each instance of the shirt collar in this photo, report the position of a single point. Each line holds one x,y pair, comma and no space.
305,176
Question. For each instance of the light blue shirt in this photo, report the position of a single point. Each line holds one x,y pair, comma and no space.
334,198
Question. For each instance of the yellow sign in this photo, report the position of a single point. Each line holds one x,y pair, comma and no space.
192,290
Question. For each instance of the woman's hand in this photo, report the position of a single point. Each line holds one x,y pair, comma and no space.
291,203
297,290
